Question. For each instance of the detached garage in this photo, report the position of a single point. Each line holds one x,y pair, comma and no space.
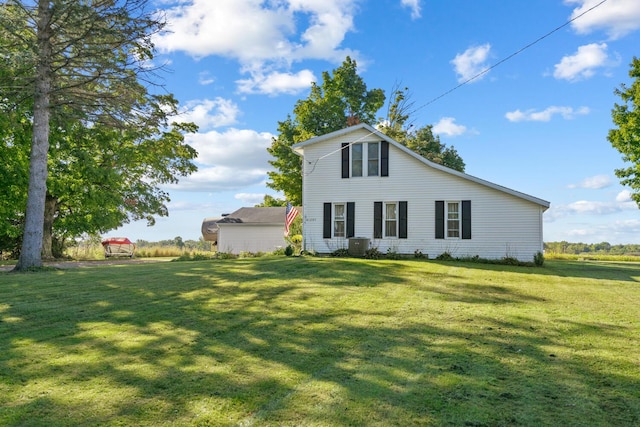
250,230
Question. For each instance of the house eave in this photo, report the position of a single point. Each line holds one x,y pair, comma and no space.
299,150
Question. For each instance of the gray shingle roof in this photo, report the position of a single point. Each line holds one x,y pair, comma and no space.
268,215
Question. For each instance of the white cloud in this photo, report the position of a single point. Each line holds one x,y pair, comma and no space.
204,78
624,196
616,17
585,207
261,36
220,178
241,29
414,6
250,198
471,62
595,208
229,160
275,83
330,21
211,113
545,115
617,232
446,126
583,63
597,182
241,148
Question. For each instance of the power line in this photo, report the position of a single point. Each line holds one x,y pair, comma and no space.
486,70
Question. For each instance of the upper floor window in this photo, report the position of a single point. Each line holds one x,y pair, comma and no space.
356,160
372,157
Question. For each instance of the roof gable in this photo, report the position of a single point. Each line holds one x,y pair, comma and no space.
299,149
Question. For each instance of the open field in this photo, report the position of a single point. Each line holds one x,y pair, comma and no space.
323,342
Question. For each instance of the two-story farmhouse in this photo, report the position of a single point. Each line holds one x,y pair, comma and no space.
360,184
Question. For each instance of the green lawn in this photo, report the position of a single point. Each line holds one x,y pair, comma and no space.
322,341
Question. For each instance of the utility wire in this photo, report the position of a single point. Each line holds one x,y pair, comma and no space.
486,70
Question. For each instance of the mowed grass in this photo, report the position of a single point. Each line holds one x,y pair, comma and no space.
279,341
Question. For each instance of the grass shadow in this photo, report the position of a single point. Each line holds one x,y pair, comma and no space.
303,341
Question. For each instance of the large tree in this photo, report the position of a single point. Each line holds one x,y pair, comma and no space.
626,137
15,133
342,99
398,126
88,57
102,177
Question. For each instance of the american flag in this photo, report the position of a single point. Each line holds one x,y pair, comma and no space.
290,215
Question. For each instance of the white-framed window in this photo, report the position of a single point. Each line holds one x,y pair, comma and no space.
339,216
365,154
373,159
390,219
356,159
453,215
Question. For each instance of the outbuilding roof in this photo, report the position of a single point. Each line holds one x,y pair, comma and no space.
266,215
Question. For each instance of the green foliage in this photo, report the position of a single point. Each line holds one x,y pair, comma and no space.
188,256
393,254
445,256
602,248
508,260
358,342
422,141
538,259
80,68
342,99
626,136
288,251
225,255
340,253
287,176
270,201
372,253
419,255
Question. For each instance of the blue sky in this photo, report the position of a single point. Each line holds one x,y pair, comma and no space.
536,122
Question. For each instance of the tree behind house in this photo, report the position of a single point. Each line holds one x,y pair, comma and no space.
342,100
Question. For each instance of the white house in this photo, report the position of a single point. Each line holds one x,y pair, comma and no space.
359,184
247,230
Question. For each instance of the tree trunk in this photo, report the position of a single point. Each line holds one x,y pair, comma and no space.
31,253
50,206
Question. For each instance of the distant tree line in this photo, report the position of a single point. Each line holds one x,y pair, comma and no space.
604,248
176,242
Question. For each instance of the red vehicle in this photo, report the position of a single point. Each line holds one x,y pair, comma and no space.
118,246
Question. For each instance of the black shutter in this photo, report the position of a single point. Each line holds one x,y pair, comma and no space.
351,211
345,160
402,226
439,219
466,219
384,158
377,220
326,221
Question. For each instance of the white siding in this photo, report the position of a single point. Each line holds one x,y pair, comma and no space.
502,224
237,238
